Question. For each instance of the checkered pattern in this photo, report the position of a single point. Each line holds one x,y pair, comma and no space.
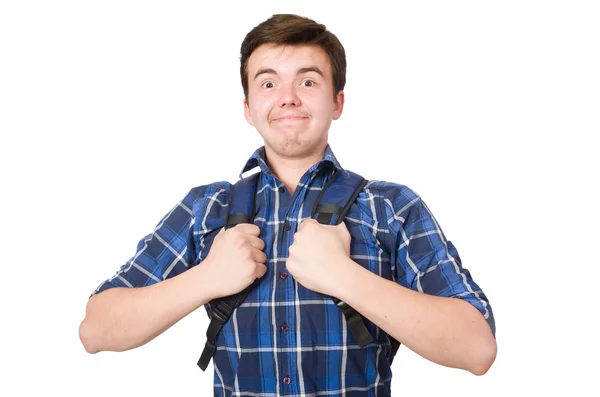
286,339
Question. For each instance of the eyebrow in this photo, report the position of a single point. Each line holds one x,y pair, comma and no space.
300,71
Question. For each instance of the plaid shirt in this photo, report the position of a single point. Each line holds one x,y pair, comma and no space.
285,339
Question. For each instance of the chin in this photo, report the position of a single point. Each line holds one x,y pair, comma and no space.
293,143
298,148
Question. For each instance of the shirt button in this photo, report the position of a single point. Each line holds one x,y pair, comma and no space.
283,275
286,227
285,328
287,380
281,189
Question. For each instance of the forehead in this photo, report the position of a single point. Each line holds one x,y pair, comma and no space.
288,58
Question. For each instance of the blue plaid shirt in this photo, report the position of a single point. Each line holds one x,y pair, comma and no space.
285,339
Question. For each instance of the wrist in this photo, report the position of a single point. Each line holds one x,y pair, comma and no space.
347,280
204,281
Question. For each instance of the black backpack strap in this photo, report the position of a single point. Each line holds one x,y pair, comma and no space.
395,346
337,196
331,206
242,209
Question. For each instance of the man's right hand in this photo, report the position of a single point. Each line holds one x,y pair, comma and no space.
236,259
120,319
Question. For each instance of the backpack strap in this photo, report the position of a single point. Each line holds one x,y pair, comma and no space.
242,209
330,208
395,346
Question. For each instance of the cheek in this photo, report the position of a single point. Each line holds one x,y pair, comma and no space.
323,110
255,113
262,107
320,103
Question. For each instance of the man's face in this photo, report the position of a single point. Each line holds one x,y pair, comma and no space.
290,98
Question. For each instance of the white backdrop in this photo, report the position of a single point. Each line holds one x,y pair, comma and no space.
111,111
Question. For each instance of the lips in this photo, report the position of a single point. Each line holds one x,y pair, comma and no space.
290,118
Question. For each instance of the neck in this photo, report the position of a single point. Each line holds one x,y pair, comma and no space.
290,169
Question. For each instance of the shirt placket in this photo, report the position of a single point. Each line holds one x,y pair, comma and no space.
286,314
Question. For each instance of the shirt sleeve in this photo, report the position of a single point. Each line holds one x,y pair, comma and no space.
426,261
167,251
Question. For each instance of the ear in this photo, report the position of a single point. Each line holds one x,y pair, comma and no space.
338,107
247,114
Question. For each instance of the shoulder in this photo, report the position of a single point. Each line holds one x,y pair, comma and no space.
391,190
395,197
204,192
400,206
203,197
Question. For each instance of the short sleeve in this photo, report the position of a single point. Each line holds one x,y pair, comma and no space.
167,251
426,261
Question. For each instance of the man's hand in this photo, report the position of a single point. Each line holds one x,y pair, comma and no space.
319,255
236,259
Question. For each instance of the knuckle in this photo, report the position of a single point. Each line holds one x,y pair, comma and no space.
239,242
246,255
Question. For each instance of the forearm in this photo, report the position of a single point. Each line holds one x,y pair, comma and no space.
121,319
448,331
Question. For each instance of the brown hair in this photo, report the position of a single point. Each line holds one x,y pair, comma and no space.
294,29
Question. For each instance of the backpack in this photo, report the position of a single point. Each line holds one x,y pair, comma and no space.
330,208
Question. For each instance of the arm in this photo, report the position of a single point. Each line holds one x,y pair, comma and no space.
144,298
433,305
164,286
445,330
120,319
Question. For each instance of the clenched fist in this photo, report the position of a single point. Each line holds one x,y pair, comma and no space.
320,256
236,259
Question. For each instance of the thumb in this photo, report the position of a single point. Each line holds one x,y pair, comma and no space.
304,223
342,231
342,226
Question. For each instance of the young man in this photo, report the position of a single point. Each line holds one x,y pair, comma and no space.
389,259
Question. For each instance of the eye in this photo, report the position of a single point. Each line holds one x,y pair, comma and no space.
308,83
268,84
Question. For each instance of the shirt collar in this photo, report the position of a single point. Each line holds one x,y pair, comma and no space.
258,160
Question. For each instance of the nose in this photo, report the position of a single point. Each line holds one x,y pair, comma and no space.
289,96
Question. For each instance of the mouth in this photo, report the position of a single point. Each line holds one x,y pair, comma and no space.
289,119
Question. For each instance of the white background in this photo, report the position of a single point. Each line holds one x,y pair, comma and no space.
111,111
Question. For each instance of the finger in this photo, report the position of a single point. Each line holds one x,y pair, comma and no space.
260,270
258,256
256,242
248,228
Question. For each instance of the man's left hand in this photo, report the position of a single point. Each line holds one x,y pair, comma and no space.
319,255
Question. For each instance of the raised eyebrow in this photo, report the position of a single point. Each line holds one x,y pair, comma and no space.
263,71
300,71
311,69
